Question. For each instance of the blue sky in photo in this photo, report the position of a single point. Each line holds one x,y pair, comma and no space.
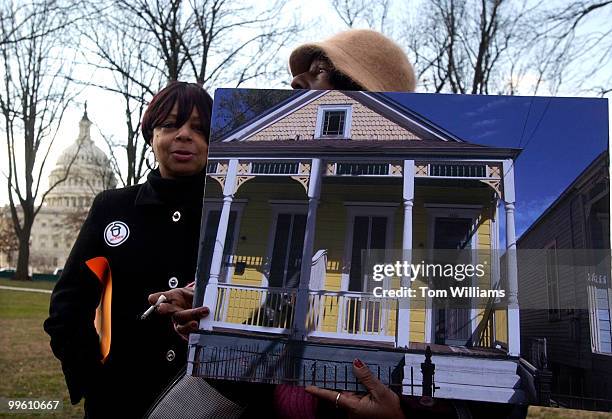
560,137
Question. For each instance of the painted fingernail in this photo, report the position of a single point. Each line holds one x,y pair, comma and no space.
357,362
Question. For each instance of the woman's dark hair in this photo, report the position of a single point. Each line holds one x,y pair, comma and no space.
339,80
187,96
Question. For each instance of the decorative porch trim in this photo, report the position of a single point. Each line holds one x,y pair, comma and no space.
302,180
363,168
496,185
240,180
220,180
487,172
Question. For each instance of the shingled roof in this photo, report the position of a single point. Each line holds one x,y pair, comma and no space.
433,139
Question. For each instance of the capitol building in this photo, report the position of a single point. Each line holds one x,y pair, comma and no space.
65,208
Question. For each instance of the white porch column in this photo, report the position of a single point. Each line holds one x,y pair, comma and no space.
301,306
403,320
514,326
210,295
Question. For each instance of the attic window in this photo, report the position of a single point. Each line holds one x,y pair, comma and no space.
333,121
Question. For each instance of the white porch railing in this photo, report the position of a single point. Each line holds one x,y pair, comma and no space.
255,308
331,314
351,315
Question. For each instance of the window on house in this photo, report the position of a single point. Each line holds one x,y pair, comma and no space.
552,283
333,121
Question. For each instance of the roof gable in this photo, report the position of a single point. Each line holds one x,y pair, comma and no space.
373,117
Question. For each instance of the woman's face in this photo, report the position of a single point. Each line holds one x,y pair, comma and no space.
180,150
316,78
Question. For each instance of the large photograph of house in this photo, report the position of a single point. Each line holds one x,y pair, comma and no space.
300,184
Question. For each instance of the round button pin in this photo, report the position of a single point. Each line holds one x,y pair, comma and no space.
170,355
173,282
176,216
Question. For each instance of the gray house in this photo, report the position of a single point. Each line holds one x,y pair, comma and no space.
569,279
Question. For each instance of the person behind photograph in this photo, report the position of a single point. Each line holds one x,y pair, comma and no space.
357,59
135,240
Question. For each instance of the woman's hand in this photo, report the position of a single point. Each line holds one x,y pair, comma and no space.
380,402
178,305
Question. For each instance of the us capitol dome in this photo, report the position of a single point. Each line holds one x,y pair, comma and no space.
57,224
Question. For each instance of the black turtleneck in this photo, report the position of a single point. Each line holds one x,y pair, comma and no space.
184,190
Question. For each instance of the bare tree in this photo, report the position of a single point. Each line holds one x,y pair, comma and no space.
16,31
579,43
210,41
499,46
371,14
122,52
467,46
145,44
33,98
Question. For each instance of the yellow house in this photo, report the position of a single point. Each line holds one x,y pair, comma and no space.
323,177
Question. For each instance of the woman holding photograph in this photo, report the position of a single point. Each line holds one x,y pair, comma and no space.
136,240
351,60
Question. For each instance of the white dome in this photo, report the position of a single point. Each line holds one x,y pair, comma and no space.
88,152
89,173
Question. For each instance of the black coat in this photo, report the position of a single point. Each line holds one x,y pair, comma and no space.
160,253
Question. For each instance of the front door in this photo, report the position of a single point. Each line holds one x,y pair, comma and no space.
452,325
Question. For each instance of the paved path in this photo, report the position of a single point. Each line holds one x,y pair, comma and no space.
3,287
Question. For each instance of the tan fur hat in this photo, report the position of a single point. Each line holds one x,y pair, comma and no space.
367,57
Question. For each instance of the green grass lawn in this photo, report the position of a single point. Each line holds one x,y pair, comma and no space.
29,369
27,365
